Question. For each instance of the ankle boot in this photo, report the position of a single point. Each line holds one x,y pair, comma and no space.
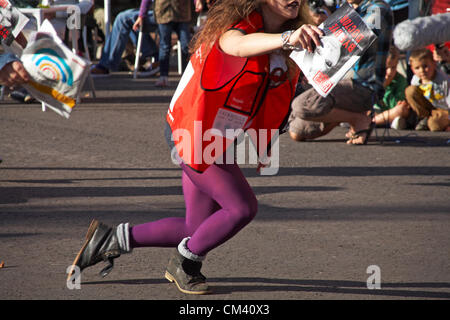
186,273
102,243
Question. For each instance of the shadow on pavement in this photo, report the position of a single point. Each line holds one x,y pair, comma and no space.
363,171
256,284
23,194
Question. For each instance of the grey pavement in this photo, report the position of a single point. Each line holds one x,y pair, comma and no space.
332,211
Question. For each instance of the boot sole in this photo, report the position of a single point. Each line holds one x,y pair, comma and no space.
169,277
92,227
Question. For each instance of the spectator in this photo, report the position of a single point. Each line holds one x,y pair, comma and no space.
318,11
98,23
172,15
428,95
203,5
441,55
400,9
126,26
314,116
117,7
393,108
12,72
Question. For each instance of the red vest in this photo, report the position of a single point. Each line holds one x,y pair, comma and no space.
219,94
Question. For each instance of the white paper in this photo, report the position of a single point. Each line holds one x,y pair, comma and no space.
12,21
57,74
346,38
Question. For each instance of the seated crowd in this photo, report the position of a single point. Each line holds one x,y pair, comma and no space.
422,102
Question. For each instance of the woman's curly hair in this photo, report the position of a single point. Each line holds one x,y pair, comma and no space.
224,13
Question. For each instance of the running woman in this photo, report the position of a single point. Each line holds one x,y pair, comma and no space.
240,77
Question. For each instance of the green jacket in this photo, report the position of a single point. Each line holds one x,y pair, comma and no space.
393,93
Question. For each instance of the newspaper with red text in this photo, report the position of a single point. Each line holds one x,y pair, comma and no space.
12,21
346,38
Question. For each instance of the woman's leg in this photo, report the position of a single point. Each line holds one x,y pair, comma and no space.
168,232
219,203
226,184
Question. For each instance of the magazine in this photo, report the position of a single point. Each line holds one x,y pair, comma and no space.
57,74
12,21
346,38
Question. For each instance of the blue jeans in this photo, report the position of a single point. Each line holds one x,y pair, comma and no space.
122,31
182,30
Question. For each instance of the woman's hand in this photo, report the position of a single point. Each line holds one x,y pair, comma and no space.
306,37
138,23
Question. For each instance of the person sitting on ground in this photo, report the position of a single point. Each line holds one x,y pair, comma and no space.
428,95
126,26
393,109
314,116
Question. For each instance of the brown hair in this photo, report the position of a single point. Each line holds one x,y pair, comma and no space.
421,54
224,13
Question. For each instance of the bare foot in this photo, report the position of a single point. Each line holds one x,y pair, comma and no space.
363,126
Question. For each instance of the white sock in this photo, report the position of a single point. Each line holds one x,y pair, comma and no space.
185,252
123,236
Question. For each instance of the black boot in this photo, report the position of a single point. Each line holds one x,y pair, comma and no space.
186,273
101,244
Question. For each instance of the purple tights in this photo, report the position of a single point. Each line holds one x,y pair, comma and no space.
219,203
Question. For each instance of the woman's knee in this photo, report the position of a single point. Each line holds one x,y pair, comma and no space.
245,211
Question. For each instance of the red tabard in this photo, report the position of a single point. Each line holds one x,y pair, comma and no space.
219,95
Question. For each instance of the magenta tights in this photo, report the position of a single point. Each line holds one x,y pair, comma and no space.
219,203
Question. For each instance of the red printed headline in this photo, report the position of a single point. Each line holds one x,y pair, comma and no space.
350,37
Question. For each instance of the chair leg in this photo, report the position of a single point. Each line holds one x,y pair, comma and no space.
138,53
74,36
179,55
87,56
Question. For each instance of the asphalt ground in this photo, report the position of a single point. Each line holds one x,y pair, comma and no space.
331,212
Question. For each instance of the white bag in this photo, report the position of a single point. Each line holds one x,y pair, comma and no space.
57,74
